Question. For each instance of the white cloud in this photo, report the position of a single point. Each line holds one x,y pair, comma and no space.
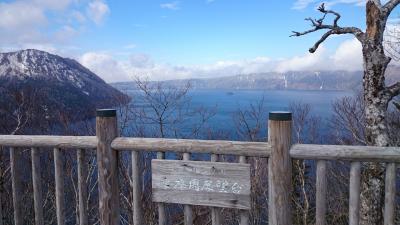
309,61
65,34
228,68
52,4
141,61
302,4
19,15
43,47
41,22
171,5
104,65
78,16
348,56
359,3
97,10
21,23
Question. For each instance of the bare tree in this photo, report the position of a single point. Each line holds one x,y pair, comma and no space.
347,121
158,110
376,94
167,110
306,129
17,109
250,123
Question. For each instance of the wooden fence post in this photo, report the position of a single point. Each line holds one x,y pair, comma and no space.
1,188
107,162
215,211
15,158
136,189
321,186
82,186
244,214
188,211
162,218
354,198
59,177
37,187
280,168
390,194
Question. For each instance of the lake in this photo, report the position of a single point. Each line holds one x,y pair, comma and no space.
227,102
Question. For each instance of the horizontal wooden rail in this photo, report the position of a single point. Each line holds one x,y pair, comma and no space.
85,142
220,147
260,149
345,152
279,149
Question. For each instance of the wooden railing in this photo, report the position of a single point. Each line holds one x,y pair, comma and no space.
278,150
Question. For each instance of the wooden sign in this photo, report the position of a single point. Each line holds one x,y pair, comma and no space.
201,183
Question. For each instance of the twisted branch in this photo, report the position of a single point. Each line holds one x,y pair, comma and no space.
389,6
318,24
393,90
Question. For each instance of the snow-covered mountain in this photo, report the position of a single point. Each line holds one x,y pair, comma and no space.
35,64
292,80
69,86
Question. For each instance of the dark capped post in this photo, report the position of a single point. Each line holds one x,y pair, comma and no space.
280,167
107,160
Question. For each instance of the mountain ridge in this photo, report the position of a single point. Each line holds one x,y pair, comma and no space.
292,80
66,86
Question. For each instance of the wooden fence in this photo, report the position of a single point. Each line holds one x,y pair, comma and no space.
279,151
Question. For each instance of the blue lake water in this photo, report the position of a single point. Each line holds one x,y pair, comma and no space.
227,102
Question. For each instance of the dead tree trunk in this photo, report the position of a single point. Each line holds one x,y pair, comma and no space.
376,95
376,99
375,64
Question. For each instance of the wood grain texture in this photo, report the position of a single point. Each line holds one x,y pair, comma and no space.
192,146
256,149
345,152
188,212
1,188
224,185
59,177
354,199
244,214
82,186
15,158
215,211
37,187
390,194
107,161
43,141
321,186
136,190
162,218
279,172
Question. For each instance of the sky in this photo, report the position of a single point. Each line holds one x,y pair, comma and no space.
174,39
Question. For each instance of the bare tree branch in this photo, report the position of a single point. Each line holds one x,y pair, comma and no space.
318,24
389,6
397,105
393,90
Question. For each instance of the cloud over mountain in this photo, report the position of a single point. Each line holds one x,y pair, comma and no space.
347,57
47,24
